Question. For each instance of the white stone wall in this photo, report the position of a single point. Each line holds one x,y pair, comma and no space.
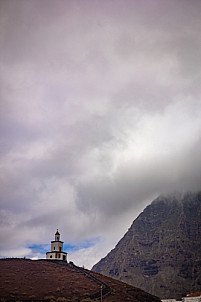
56,256
192,299
50,256
55,245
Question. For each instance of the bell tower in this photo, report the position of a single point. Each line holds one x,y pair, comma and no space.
57,252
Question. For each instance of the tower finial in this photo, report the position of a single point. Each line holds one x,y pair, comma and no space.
57,232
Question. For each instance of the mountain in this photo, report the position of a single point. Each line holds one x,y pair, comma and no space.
161,252
49,281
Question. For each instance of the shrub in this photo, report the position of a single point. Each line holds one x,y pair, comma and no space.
32,297
50,298
62,299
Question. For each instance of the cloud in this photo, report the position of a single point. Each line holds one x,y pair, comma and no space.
100,113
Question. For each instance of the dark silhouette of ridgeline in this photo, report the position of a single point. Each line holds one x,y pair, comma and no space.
58,281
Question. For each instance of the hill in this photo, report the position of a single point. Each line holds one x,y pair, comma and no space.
161,252
31,280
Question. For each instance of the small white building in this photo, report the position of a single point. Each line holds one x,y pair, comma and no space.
56,249
192,298
195,297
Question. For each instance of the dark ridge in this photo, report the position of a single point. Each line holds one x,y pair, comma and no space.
42,280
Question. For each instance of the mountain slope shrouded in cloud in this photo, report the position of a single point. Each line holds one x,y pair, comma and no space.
100,112
161,252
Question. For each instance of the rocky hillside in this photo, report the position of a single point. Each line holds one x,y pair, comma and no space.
29,280
161,252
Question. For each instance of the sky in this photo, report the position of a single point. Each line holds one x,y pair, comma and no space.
100,112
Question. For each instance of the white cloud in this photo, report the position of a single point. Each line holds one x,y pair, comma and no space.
100,112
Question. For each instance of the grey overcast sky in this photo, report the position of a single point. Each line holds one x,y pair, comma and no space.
100,112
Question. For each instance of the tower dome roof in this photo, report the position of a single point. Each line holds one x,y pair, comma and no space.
57,233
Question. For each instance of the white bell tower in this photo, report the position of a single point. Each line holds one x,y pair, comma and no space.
57,252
